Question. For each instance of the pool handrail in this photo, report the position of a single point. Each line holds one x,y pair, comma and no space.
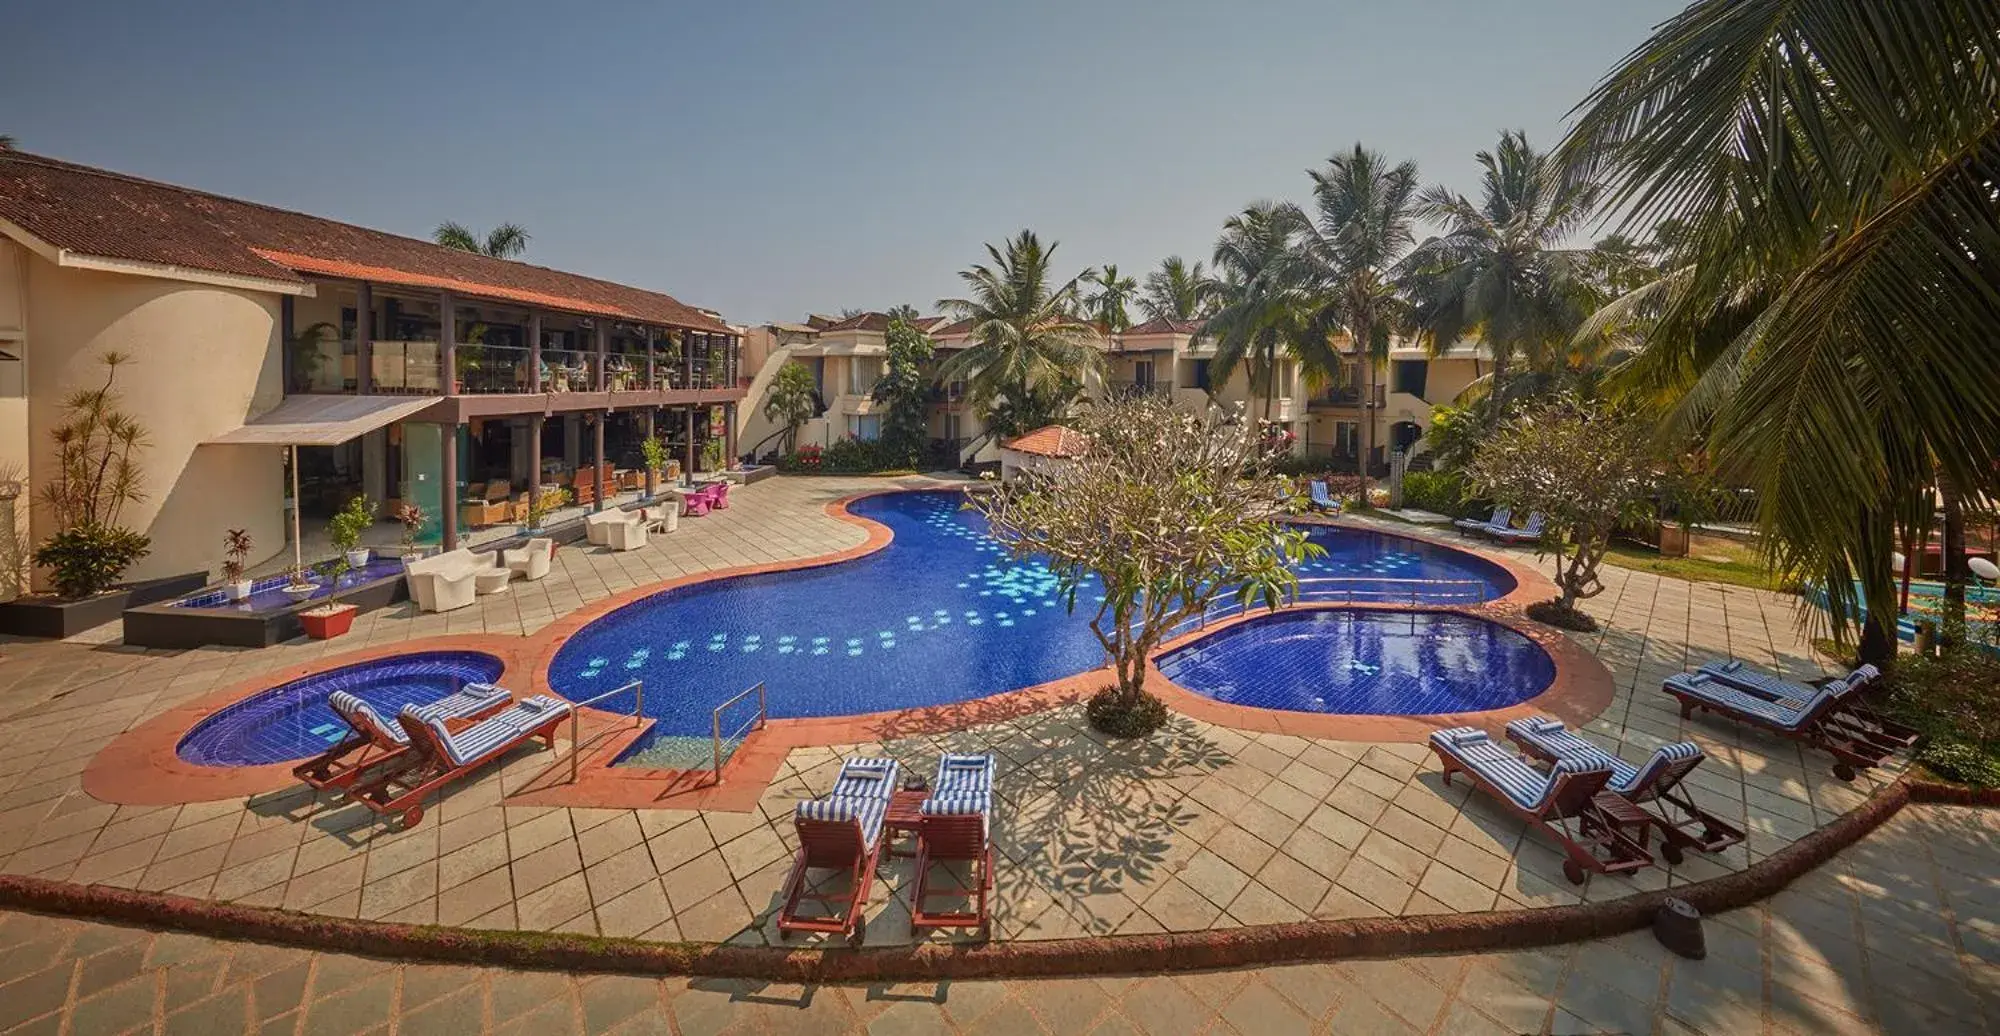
638,689
756,723
1343,589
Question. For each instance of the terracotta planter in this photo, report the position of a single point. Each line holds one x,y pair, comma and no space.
1673,540
329,621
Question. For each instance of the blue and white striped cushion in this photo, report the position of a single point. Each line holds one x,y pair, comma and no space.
963,773
1521,783
866,778
1549,734
1770,685
869,813
1639,783
1714,692
491,733
363,718
957,804
472,698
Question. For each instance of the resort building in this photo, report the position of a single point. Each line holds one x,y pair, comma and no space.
398,369
1162,357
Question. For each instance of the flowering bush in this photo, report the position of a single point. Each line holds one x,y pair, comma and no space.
804,459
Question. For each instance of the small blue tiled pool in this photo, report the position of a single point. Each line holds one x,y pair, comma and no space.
267,594
293,721
1374,663
941,615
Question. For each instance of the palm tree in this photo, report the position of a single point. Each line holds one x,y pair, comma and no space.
1031,347
1108,305
1259,312
504,242
1829,308
1179,290
1346,256
1499,270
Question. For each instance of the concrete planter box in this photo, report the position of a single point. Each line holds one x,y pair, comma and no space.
41,615
169,626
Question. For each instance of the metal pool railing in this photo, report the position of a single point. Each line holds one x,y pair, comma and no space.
1349,590
638,689
756,723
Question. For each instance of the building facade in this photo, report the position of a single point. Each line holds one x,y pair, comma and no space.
389,367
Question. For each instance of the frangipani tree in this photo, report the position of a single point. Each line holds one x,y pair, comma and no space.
1584,467
1164,511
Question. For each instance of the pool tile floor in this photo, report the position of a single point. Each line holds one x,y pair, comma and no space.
1202,826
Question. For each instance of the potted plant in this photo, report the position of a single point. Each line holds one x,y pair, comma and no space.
347,527
547,502
711,455
235,551
654,453
328,620
411,518
298,584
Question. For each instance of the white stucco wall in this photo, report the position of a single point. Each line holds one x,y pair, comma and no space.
203,360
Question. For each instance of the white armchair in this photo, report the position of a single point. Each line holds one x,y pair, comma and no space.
530,561
445,581
595,525
667,513
626,535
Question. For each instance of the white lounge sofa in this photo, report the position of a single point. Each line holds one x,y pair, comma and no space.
596,526
446,581
626,535
531,560
667,513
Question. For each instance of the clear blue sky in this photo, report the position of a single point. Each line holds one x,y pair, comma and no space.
770,159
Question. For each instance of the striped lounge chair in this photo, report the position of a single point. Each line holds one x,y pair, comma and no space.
446,751
1815,720
1501,519
1564,803
1855,709
1528,533
955,835
840,837
1320,499
375,743
1658,783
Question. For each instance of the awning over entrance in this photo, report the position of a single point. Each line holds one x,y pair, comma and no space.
323,420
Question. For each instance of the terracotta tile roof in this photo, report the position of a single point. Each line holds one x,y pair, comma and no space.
1163,326
110,215
1048,441
956,327
873,321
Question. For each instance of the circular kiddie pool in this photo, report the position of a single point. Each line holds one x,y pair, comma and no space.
1374,663
294,721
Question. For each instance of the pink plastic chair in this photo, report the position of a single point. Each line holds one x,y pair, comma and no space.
697,504
720,495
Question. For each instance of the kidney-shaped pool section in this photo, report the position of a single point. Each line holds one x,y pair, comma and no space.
1372,663
940,616
293,720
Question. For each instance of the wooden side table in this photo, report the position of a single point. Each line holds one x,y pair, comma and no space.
904,817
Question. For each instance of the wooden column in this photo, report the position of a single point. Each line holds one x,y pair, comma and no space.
728,435
652,476
535,362
603,351
364,338
447,344
448,492
687,466
651,386
688,340
534,462
597,456
287,331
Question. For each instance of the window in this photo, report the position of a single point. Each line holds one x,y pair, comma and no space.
1142,373
864,426
1346,438
13,383
1407,376
862,374
1201,375
952,423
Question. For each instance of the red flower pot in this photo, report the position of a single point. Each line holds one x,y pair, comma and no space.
328,621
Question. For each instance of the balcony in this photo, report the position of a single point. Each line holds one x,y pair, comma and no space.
416,368
1345,396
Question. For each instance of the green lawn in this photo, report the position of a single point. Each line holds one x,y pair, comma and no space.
1713,561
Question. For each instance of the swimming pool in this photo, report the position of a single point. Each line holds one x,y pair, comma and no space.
293,720
940,615
1375,663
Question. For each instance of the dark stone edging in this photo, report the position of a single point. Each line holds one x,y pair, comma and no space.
1946,794
1221,948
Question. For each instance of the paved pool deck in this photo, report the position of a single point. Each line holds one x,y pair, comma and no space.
1203,826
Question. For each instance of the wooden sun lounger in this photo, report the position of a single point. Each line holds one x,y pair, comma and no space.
1816,721
1570,804
956,829
374,743
1855,708
840,837
444,754
1682,824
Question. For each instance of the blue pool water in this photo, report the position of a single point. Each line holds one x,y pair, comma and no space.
941,615
293,721
1364,663
267,594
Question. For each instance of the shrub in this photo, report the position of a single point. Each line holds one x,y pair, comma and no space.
87,559
1440,492
236,548
804,460
349,524
1950,699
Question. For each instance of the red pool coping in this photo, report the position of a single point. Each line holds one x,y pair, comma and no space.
141,766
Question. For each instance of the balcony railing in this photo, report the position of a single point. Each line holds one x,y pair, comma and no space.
1347,396
404,368
491,369
568,370
416,368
